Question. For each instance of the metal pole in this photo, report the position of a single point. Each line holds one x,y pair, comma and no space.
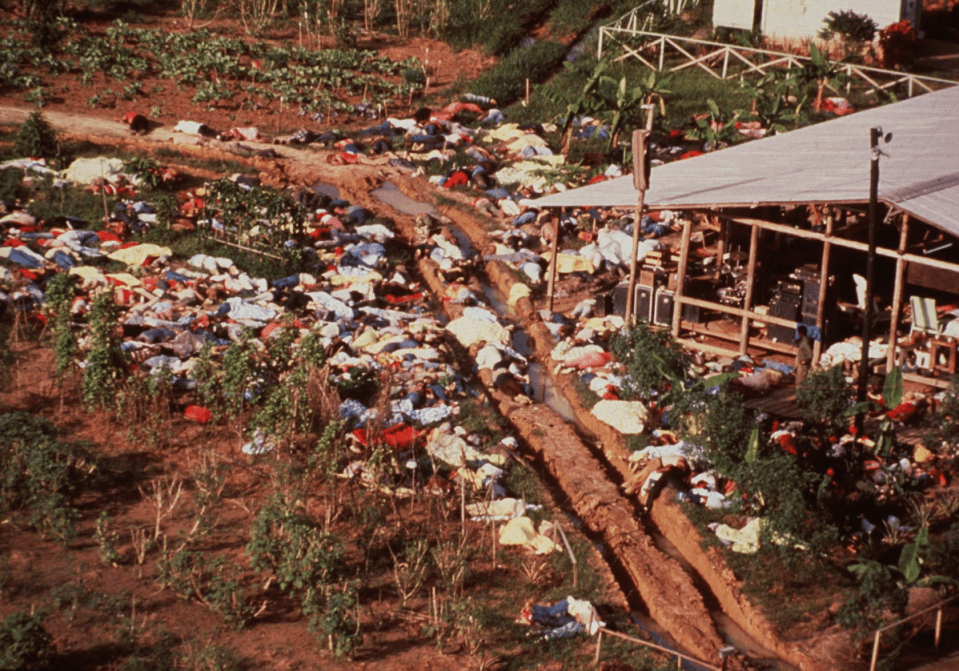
874,134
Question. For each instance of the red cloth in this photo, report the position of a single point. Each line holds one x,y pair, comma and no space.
598,178
458,178
690,154
198,414
268,329
29,274
591,360
150,283
390,298
107,236
13,242
399,437
128,117
903,412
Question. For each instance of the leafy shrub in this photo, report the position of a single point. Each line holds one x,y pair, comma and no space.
506,81
39,473
286,541
105,363
651,357
899,44
25,644
36,138
824,396
851,27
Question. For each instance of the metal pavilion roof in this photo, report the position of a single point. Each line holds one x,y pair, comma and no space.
825,163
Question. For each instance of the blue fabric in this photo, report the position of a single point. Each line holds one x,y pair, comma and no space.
497,193
24,260
527,217
63,259
287,282
811,330
171,276
781,367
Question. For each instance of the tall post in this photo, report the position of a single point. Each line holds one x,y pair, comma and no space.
750,280
552,261
901,265
823,287
681,277
874,135
640,184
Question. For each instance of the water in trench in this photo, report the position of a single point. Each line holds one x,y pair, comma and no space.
390,194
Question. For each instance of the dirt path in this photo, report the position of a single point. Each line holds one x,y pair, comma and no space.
665,588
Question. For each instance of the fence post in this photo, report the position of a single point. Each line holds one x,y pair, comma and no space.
599,647
875,651
910,87
662,51
938,626
725,61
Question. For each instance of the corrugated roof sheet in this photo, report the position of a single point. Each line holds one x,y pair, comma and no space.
825,163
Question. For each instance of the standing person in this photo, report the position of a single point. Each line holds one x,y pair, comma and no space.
803,354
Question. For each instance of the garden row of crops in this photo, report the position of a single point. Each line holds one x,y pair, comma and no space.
220,69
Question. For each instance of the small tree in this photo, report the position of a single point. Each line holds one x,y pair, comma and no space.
854,31
36,138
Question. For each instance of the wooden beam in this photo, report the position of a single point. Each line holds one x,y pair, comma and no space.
729,310
681,278
897,291
849,244
757,343
750,279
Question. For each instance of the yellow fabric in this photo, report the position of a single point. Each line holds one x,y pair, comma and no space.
922,454
125,278
520,531
135,256
570,263
365,339
468,331
87,273
628,417
517,292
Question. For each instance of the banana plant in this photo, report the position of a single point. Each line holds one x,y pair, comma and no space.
626,103
587,102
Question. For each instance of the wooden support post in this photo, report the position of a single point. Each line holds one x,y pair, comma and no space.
823,286
527,93
681,278
639,183
720,247
599,647
901,265
938,626
551,285
750,280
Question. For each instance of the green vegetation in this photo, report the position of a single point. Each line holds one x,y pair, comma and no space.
40,475
25,645
37,139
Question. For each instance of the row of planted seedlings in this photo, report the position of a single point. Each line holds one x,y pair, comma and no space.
221,70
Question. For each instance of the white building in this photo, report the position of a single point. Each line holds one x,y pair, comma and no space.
803,19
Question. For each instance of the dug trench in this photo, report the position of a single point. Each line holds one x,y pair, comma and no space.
588,480
677,594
